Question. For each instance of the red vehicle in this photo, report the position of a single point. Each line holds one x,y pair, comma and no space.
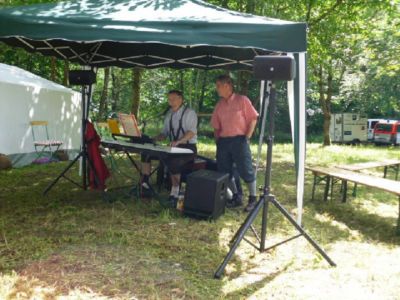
387,133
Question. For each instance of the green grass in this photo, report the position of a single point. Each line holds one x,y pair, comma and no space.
82,245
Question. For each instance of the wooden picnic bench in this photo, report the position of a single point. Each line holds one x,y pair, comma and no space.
386,164
329,174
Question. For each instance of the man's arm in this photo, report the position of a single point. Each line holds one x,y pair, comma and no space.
215,123
250,129
183,140
216,134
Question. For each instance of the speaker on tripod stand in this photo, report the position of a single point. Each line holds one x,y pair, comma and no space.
84,78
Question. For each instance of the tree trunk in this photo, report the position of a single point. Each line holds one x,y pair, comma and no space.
250,6
115,91
325,99
136,76
104,95
327,123
192,91
181,83
203,90
224,3
66,73
53,64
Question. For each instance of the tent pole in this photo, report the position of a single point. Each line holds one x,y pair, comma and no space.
83,148
264,201
264,101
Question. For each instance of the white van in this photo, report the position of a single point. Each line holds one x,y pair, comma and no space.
349,128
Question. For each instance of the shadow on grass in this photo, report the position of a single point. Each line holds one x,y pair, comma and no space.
259,282
372,226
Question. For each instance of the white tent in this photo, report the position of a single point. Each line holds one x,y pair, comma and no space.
26,97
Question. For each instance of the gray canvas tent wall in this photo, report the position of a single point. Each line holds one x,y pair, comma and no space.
164,33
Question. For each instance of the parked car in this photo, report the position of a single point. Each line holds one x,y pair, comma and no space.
387,132
371,125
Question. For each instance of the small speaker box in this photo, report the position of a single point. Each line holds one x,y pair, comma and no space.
81,77
270,67
205,196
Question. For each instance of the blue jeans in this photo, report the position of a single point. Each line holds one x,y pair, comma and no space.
235,150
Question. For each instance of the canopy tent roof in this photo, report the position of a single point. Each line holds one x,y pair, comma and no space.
149,34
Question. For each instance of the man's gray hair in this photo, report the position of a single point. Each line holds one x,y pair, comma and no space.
225,79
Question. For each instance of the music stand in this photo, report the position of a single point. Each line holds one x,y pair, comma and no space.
267,197
84,78
129,123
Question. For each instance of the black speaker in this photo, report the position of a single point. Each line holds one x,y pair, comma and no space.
205,195
81,77
270,67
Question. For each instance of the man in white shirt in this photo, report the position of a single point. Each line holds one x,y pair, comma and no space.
180,127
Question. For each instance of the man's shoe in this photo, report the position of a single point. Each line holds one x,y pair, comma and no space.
252,203
146,190
172,201
236,201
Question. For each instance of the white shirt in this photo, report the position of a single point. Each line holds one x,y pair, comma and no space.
189,123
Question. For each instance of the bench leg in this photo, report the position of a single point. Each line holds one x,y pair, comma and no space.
313,187
385,172
344,193
397,172
398,221
327,185
355,190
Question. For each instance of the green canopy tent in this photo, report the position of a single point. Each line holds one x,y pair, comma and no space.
163,33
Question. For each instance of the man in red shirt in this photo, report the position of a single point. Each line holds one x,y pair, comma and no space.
234,120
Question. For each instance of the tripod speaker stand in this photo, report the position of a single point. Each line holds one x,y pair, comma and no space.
266,198
85,78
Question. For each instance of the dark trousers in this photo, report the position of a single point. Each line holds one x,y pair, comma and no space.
235,150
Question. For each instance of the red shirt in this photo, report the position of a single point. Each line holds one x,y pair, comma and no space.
232,116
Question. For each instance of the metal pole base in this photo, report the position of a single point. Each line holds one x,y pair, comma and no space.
62,174
240,234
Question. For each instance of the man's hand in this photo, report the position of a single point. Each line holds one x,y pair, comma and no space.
175,143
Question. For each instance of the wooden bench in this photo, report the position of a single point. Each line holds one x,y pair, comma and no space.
329,175
386,164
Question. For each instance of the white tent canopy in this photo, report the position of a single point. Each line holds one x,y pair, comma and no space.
26,97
